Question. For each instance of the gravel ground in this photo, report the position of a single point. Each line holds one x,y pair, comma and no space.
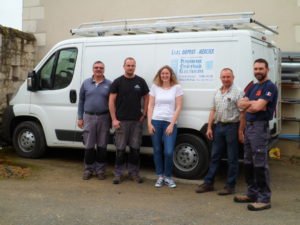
53,193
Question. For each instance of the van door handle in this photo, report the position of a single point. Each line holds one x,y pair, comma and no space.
73,96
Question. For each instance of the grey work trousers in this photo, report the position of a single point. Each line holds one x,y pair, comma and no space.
95,139
129,133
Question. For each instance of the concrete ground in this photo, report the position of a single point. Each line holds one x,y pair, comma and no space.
53,193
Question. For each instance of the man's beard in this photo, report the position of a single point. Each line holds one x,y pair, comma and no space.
260,76
130,74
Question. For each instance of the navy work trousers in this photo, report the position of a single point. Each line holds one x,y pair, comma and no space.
256,161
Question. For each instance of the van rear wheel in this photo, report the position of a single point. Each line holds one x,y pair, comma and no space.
191,156
29,140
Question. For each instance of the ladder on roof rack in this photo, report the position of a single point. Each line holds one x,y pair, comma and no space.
222,21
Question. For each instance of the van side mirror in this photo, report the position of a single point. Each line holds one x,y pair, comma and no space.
32,83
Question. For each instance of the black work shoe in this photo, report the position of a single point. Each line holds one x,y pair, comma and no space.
258,206
117,180
243,199
101,176
226,191
87,175
136,179
204,188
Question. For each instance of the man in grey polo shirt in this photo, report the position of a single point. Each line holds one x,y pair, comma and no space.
94,119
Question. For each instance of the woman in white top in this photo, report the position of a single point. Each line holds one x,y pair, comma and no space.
165,104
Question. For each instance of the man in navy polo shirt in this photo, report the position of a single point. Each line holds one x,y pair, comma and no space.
94,119
259,103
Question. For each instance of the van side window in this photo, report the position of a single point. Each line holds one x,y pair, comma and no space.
65,68
45,74
57,73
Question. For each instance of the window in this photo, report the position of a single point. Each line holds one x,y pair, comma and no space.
57,73
45,74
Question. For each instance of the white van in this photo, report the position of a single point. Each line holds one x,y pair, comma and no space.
44,110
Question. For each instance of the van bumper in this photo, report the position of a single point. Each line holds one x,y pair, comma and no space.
6,128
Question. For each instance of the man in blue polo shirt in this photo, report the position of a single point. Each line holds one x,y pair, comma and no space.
94,119
259,103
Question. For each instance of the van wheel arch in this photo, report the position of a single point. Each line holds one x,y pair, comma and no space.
28,139
191,156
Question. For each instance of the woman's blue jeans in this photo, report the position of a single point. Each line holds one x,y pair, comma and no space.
163,147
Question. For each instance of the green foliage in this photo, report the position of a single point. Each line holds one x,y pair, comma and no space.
11,34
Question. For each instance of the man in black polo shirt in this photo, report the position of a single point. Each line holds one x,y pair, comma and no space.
126,94
260,103
93,117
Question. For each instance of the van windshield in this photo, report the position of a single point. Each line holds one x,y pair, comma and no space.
57,72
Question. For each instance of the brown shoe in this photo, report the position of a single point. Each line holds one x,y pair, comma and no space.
136,179
243,199
258,206
101,176
87,175
204,188
226,191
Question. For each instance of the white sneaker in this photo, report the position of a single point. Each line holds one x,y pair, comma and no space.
170,182
160,182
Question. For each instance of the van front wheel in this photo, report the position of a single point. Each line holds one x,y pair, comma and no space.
29,140
191,156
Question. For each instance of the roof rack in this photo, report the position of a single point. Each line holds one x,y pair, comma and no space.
221,21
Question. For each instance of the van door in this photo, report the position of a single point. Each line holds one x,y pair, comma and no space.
273,57
55,103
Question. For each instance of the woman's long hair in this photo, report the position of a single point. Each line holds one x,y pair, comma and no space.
157,79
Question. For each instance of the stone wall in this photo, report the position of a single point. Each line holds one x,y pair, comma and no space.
17,57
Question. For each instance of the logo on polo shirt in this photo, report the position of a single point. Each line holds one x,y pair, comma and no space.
269,93
258,93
